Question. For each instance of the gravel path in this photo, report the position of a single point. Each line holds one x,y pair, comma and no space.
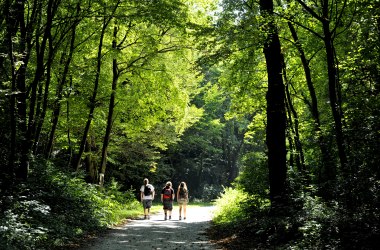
157,233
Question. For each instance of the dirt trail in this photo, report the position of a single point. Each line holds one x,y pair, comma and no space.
157,233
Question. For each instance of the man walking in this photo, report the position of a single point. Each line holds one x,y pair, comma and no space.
147,196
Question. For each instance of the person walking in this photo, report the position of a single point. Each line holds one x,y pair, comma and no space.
167,197
182,199
147,196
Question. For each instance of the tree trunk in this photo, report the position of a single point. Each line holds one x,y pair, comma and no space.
13,117
333,83
22,167
293,132
106,21
57,104
327,171
93,98
276,117
43,97
293,127
111,107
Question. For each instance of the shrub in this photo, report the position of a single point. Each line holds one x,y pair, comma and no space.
56,207
230,206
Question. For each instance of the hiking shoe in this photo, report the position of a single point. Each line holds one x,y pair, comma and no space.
166,217
144,217
170,217
184,218
180,218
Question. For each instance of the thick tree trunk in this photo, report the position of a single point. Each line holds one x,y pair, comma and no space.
276,117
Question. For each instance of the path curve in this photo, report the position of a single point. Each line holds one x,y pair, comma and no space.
157,233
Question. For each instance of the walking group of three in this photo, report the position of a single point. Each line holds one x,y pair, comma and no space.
167,197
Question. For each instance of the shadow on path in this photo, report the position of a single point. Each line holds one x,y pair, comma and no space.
157,233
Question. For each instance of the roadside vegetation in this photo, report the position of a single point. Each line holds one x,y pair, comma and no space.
58,209
244,220
55,208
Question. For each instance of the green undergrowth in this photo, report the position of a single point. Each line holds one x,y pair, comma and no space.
56,208
243,221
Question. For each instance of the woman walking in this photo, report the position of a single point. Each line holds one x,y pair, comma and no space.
167,197
182,199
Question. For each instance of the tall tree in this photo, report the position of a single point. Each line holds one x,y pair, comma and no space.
276,117
106,21
330,18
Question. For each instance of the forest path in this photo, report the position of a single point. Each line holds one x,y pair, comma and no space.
157,233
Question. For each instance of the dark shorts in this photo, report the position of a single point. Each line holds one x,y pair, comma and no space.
147,203
168,205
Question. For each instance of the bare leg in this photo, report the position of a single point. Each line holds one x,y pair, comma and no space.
184,210
166,214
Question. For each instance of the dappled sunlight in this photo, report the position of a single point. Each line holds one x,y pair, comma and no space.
157,233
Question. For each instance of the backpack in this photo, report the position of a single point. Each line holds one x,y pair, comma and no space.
147,190
167,194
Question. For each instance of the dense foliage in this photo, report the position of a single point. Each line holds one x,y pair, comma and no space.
272,106
330,72
54,209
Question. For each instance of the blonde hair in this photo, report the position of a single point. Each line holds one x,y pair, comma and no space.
168,184
146,181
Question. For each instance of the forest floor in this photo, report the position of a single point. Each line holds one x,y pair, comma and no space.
157,233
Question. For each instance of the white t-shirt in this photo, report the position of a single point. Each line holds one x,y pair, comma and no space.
147,197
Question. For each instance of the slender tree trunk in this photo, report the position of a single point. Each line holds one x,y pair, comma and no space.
106,22
294,132
293,127
327,171
40,68
93,98
42,114
43,99
21,100
276,117
13,116
115,77
68,121
333,80
313,106
57,104
333,86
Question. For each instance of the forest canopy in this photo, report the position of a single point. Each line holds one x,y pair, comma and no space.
273,101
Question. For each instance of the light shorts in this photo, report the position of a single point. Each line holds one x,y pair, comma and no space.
182,201
147,203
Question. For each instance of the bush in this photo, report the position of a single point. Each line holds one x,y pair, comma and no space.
56,207
230,206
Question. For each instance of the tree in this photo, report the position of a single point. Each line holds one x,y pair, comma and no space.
276,118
